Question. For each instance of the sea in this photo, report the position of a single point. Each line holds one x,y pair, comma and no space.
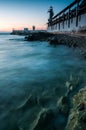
33,77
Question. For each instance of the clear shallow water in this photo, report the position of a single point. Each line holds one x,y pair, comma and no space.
33,70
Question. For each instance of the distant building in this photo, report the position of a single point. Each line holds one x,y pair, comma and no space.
72,18
26,30
33,27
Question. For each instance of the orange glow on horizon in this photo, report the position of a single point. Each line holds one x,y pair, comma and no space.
10,28
19,19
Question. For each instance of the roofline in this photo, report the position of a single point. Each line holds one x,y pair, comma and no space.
69,6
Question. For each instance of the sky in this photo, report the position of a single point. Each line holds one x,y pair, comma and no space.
19,14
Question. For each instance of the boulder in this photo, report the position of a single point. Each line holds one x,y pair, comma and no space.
44,120
77,116
49,119
38,36
53,40
64,105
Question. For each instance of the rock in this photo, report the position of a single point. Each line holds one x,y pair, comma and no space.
53,40
43,101
38,36
30,102
49,119
77,117
82,117
44,120
64,105
81,106
72,84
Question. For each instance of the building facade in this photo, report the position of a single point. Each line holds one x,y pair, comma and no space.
72,18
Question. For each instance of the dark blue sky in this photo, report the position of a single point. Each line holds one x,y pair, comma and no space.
26,13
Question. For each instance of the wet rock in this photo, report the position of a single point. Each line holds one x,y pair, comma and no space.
53,41
63,105
44,120
71,41
43,101
81,106
30,102
77,117
58,39
72,84
82,117
49,119
38,36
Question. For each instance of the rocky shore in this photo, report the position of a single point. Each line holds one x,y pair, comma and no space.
58,39
77,116
70,113
39,36
70,110
70,40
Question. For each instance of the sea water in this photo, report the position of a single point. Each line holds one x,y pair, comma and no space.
33,70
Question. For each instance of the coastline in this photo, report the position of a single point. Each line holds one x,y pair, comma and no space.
64,108
43,65
61,116
69,39
74,40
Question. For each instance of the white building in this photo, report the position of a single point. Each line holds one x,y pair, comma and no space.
72,18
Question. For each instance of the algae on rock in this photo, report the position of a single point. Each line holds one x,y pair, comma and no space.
77,117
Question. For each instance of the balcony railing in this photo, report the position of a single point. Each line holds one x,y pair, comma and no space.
75,9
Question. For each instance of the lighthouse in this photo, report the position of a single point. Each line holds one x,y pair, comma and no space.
51,13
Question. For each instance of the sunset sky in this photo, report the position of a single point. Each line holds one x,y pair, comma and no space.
18,14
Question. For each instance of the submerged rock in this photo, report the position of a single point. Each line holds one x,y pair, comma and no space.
49,119
44,120
30,102
64,105
72,84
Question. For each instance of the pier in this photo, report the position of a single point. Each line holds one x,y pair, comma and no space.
70,19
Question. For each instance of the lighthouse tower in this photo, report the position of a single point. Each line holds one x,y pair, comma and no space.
51,13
